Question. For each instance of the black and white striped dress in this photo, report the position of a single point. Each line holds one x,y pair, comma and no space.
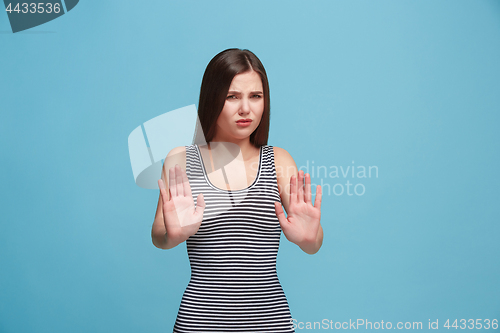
234,286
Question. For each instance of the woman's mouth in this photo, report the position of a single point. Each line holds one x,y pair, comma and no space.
244,122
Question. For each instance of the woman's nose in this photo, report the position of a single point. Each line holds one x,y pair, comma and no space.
245,105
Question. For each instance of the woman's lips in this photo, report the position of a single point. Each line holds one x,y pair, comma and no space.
244,122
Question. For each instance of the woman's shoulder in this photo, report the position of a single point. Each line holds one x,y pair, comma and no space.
282,157
284,165
181,150
280,152
177,150
175,156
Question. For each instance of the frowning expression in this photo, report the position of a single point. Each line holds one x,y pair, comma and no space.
242,109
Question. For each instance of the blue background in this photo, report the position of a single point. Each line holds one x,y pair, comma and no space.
411,87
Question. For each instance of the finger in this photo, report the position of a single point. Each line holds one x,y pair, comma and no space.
281,215
186,186
200,205
308,189
172,182
317,200
163,191
178,178
293,190
300,187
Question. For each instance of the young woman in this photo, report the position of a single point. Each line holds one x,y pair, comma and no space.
225,200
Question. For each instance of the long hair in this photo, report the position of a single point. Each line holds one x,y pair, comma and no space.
216,81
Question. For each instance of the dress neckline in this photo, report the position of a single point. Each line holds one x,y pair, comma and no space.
225,190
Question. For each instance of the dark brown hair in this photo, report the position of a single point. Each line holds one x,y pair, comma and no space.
218,76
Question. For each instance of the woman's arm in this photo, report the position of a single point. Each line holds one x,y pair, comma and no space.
302,224
159,231
176,217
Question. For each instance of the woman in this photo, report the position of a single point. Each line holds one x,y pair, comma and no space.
232,229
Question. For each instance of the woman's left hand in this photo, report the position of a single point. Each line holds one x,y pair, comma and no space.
302,225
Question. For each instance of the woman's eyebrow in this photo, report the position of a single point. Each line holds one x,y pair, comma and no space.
236,92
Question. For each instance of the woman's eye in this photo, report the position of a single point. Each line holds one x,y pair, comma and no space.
257,96
231,97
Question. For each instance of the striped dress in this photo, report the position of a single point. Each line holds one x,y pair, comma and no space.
234,286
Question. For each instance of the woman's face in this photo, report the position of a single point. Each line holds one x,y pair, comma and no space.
244,101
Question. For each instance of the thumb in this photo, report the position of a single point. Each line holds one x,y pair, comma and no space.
200,204
281,215
163,190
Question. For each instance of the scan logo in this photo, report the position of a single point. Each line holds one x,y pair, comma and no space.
149,144
26,14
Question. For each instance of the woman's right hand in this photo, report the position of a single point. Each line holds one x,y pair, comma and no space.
182,219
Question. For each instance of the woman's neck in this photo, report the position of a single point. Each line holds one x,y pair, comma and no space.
246,148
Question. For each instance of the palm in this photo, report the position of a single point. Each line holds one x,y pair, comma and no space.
303,220
182,219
